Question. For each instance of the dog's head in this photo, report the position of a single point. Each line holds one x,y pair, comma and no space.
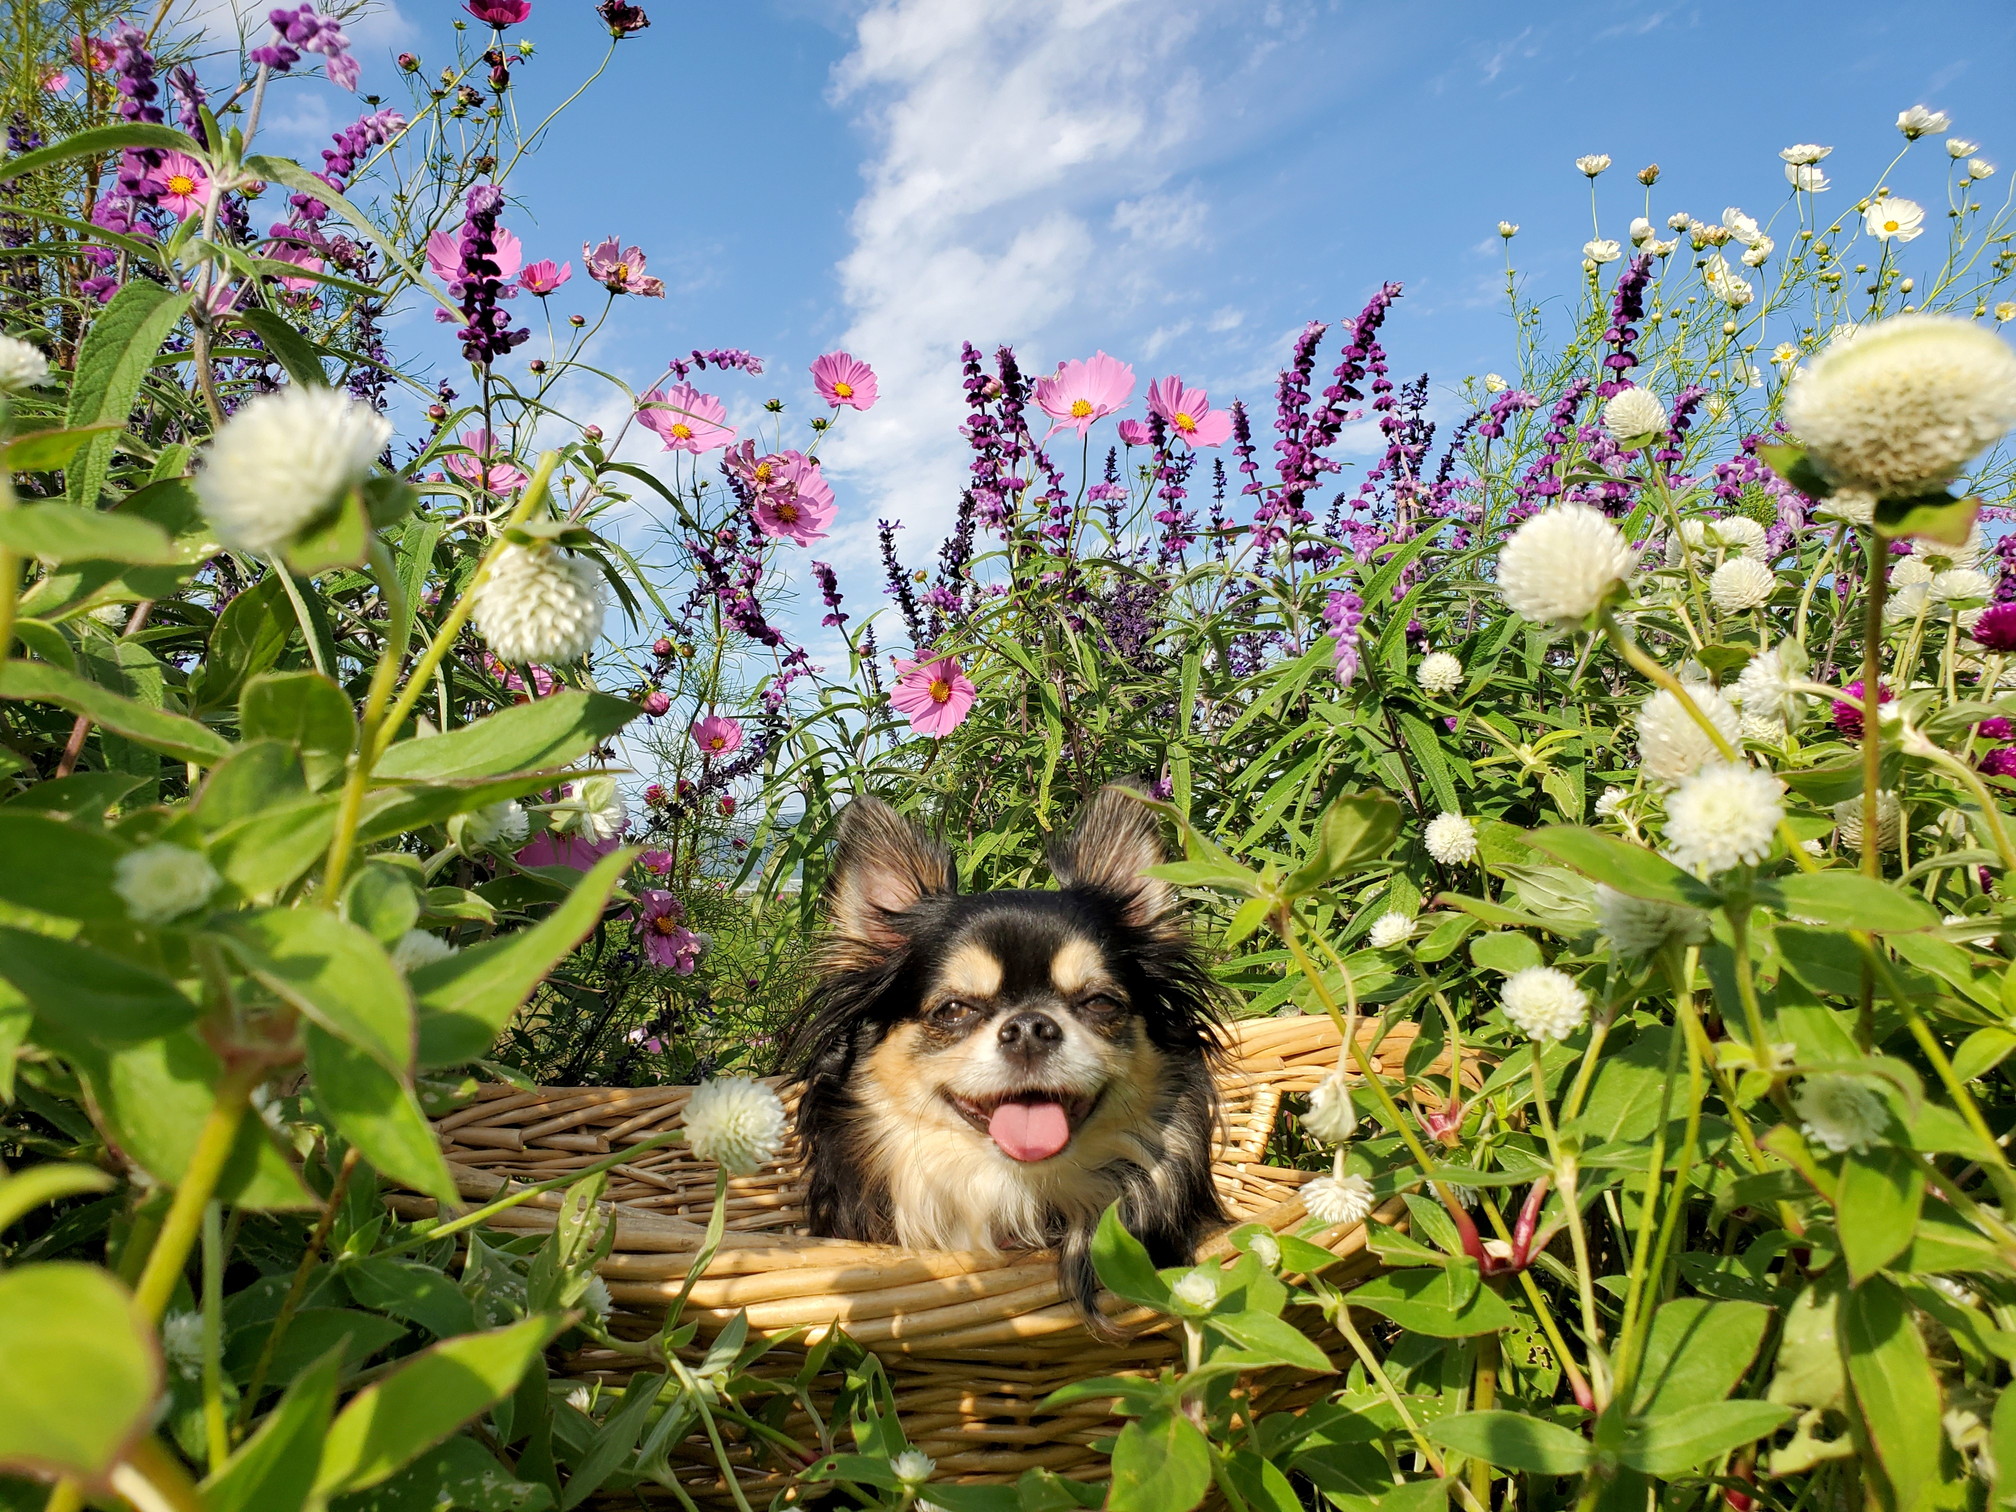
1037,1020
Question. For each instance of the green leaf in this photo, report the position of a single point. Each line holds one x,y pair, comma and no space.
100,140
1631,869
157,729
1427,1301
376,1112
1277,1340
29,1189
63,533
2002,1445
1123,1265
333,972
248,639
1937,516
1897,1397
306,710
1696,1351
1355,831
1793,465
73,866
274,1470
1161,1463
88,994
116,354
1513,1441
84,797
1848,900
466,999
1876,1208
340,538
548,732
426,1399
294,176
47,450
294,351
1505,951
1260,1483
615,1439
1681,1440
78,1371
411,1290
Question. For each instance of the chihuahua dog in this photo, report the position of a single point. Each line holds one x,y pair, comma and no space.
991,1071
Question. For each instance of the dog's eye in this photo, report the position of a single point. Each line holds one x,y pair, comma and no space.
954,1014
1103,1003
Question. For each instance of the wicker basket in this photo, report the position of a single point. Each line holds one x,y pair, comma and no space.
971,1343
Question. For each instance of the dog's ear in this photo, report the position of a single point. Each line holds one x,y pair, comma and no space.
884,864
1117,839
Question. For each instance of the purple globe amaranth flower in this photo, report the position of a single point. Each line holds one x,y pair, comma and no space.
1995,727
1848,711
1996,629
2000,762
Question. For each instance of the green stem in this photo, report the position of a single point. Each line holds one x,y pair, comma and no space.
185,1215
350,809
1565,1179
216,1433
1971,780
322,656
1876,571
297,1288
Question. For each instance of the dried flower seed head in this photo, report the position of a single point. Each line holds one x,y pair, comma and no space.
1331,1118
1840,1113
1640,926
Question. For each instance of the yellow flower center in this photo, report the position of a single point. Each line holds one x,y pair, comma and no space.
1185,422
181,183
763,470
1080,408
941,690
787,512
717,742
682,430
664,924
622,273
844,390
1891,225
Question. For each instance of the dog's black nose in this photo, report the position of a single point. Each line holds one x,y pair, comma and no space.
1030,1034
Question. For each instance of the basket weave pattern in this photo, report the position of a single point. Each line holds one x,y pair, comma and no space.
971,1342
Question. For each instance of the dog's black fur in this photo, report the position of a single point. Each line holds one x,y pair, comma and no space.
894,917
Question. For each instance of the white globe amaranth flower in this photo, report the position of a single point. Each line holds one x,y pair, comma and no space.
1910,572
1855,505
1338,1199
1921,121
1266,1249
1907,603
1848,820
502,826
1957,584
285,460
592,808
1451,839
1602,250
1331,1118
1390,929
1898,407
1759,729
162,881
1197,1290
1764,689
540,605
1640,926
182,1343
419,947
1671,743
1633,415
736,1122
1544,1003
1804,176
1724,815
22,365
596,1299
1690,540
1894,218
580,1398
1939,556
1840,1112
913,1467
1804,152
1439,673
1610,802
1742,584
1593,163
1562,563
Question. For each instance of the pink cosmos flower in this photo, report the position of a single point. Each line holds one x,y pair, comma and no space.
657,862
485,469
689,421
301,257
661,926
1188,412
500,13
1135,433
620,269
1082,392
184,185
797,504
543,277
843,378
444,255
935,696
56,81
574,851
717,734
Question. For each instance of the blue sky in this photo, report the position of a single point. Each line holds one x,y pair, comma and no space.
1182,186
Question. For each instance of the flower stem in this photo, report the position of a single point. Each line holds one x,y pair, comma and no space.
185,1214
1873,552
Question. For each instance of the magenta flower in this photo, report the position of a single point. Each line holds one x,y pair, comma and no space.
1188,412
685,419
543,277
620,269
657,862
843,378
717,735
797,504
444,255
1848,711
500,13
1135,433
485,469
183,184
1996,629
574,851
2000,762
301,257
56,81
1995,727
935,696
661,926
657,702
1082,392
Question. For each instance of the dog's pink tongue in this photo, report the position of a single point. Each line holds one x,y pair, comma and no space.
1030,1130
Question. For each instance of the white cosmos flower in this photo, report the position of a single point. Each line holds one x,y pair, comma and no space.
1804,152
1980,168
1741,584
1723,815
1723,283
1740,533
1764,690
1918,121
593,808
417,948
1743,227
1805,177
22,365
1900,406
1451,839
1894,217
1632,414
1390,929
1785,355
1641,231
1593,163
1562,563
1508,229
1544,1003
539,606
1338,1199
1958,583
1331,1118
1760,252
1639,926
1671,745
1662,248
500,826
736,1123
1840,1113
1495,383
1889,820
1959,147
162,882
285,460
1602,250
1439,673
1679,220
